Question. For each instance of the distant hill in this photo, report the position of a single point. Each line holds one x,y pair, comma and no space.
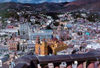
92,5
43,7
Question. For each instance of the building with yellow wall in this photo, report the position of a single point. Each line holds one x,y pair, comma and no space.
47,47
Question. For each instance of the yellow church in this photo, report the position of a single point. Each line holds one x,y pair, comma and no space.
49,46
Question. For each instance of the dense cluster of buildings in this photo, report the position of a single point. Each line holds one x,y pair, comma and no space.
46,36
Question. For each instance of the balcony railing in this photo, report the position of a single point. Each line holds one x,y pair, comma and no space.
86,60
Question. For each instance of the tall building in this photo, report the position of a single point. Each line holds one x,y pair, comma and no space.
24,30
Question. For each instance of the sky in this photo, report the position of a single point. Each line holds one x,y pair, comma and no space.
36,1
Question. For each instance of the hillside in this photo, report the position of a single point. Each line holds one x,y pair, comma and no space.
91,5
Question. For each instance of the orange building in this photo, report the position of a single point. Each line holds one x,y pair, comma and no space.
49,47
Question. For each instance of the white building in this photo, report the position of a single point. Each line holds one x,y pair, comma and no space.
93,46
41,33
24,30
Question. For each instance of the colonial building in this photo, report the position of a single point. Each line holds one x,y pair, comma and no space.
47,34
24,30
13,44
47,47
